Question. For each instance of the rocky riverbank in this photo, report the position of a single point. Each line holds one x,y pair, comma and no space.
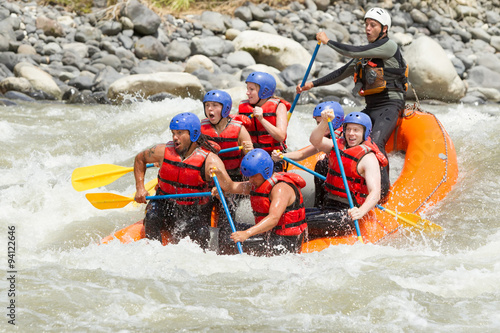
127,52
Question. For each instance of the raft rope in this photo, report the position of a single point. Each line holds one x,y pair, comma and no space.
445,177
411,111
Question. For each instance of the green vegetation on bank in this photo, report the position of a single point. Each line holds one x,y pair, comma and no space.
85,6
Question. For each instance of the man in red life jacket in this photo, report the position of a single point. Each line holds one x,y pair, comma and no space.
361,160
277,206
268,124
185,164
321,166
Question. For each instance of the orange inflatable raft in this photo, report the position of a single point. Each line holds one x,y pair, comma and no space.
429,172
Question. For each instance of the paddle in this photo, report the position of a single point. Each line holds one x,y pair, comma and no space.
111,200
224,204
407,219
304,80
89,177
227,150
413,221
344,179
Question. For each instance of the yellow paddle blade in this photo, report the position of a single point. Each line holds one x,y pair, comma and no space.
414,221
150,186
86,178
108,200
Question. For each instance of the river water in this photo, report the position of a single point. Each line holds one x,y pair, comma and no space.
63,281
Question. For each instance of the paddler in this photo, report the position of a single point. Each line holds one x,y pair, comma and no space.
226,130
277,205
321,166
361,160
380,75
185,164
268,114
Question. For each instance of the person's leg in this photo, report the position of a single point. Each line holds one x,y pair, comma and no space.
384,120
319,190
226,244
279,245
194,222
154,221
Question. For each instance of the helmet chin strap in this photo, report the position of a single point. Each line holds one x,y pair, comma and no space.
381,34
254,105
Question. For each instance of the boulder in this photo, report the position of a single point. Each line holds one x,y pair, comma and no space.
432,74
145,85
272,50
144,20
39,79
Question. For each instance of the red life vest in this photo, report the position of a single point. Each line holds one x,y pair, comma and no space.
293,221
177,176
260,137
228,138
350,158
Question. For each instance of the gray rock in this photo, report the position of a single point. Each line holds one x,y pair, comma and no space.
15,84
87,33
110,28
51,48
419,17
109,60
243,13
108,46
145,85
19,96
240,59
4,44
5,72
149,47
459,66
105,78
490,61
178,51
431,72
39,79
151,66
213,21
478,33
126,41
208,46
145,21
72,59
81,82
492,17
49,27
238,24
434,26
257,12
293,75
298,36
322,5
495,42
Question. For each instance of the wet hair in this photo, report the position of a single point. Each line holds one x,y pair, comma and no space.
204,142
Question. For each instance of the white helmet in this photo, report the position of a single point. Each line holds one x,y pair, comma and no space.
380,15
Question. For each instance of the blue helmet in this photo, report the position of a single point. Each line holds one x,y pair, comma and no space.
257,161
362,119
337,109
187,121
221,97
266,82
